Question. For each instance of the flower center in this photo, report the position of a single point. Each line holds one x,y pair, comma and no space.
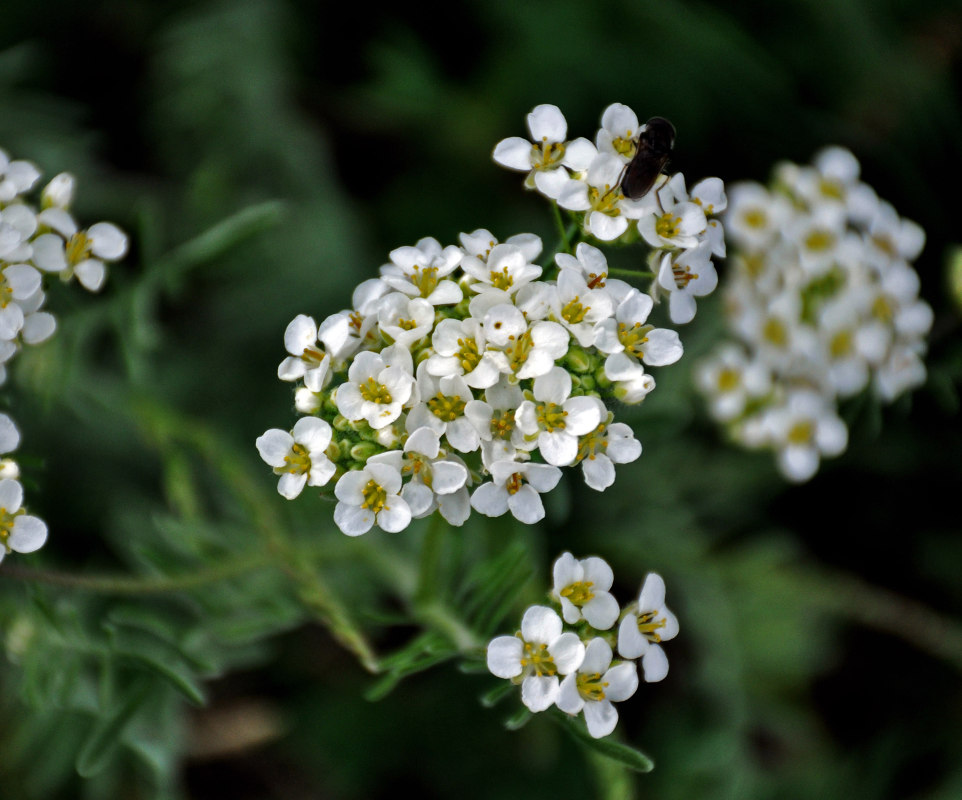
551,417
590,445
537,659
841,344
831,188
668,225
375,392
633,338
683,275
590,686
578,592
882,309
78,247
7,520
296,462
468,354
755,218
446,409
820,241
801,432
605,201
313,356
648,626
547,154
518,352
501,279
425,279
514,483
728,379
574,312
775,332
502,425
375,497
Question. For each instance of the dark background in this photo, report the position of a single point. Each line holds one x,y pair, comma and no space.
819,652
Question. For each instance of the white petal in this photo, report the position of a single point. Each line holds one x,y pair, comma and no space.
504,656
568,652
655,664
601,718
601,611
622,680
569,698
28,534
540,624
353,520
538,693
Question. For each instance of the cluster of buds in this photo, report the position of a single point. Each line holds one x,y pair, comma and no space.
575,669
465,377
822,301
35,243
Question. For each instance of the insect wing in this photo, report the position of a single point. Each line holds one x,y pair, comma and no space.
654,147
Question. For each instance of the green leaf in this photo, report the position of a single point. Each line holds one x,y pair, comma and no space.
105,738
159,657
491,698
617,751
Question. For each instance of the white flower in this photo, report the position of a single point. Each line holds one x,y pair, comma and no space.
437,480
685,277
600,450
627,333
548,159
596,686
556,418
18,531
578,307
619,132
442,410
582,587
505,268
298,457
16,177
379,384
648,623
730,381
423,271
672,225
802,429
516,486
9,435
306,359
608,212
371,495
71,251
536,656
18,282
461,348
404,320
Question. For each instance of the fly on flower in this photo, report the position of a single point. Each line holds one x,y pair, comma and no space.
655,143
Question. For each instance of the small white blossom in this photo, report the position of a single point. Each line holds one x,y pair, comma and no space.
536,656
645,626
368,496
596,686
582,587
18,531
299,456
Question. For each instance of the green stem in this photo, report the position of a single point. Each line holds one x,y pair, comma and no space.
130,585
886,611
429,578
630,273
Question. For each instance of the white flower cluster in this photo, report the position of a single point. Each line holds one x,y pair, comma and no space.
465,377
460,380
35,243
574,670
585,179
823,301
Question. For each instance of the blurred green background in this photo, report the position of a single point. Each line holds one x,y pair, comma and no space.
821,642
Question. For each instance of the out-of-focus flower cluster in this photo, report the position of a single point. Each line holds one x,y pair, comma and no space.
576,669
585,179
822,301
37,241
465,377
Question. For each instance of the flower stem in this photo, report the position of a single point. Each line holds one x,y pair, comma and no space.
630,273
132,585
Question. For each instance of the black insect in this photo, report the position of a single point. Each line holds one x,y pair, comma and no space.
653,149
